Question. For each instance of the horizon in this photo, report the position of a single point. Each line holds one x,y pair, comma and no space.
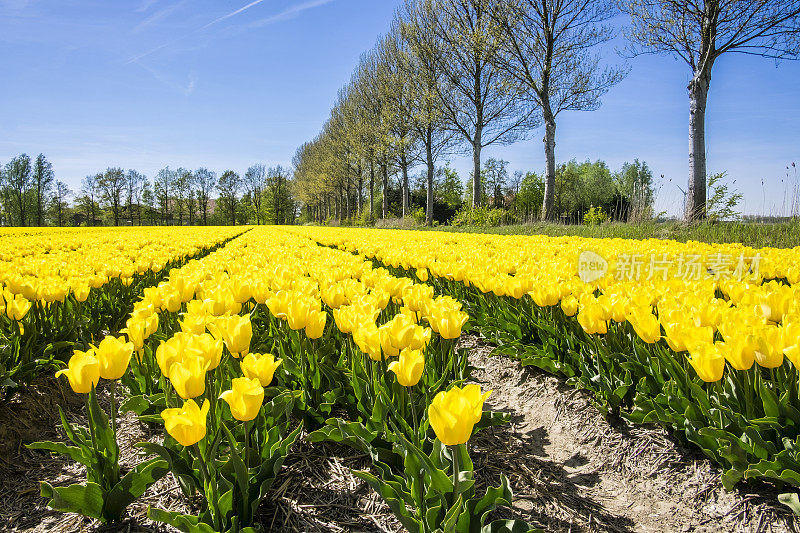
151,84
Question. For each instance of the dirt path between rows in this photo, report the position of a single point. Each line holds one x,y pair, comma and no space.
572,470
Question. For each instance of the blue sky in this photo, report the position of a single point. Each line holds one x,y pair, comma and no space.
228,83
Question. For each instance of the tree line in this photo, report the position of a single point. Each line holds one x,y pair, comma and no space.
31,196
457,76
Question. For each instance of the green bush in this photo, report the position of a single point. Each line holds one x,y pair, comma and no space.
478,216
595,216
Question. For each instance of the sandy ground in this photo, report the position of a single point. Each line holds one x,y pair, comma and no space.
571,470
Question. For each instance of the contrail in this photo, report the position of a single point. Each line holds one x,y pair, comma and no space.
215,21
232,14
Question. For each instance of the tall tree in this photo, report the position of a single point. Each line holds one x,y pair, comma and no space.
205,182
480,101
699,32
254,187
91,191
426,116
43,177
548,50
134,181
163,189
17,177
61,194
112,185
228,186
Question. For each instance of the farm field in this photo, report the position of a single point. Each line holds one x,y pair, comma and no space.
287,378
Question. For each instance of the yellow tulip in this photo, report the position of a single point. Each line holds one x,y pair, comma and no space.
207,347
707,361
171,351
740,350
454,413
236,331
245,398
278,304
592,318
409,367
114,355
298,310
81,292
368,340
569,305
17,308
646,325
769,347
136,331
316,324
255,365
450,322
194,324
186,424
83,371
189,376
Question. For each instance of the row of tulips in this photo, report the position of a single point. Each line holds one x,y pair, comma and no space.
714,358
236,354
60,289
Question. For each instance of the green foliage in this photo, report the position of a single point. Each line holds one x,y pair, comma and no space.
721,199
106,494
595,216
478,216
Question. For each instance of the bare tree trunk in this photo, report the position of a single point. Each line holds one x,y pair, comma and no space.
371,189
429,192
385,190
696,195
406,205
548,205
476,170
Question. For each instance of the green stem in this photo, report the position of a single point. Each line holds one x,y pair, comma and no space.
114,409
207,485
456,471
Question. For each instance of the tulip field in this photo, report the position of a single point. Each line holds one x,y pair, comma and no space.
238,345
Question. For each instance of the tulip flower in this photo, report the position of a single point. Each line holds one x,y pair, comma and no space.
83,371
171,351
236,331
114,355
207,347
569,305
740,351
645,324
81,292
368,340
245,398
136,331
707,361
194,324
298,310
409,367
186,424
454,413
17,308
316,324
769,347
188,376
260,366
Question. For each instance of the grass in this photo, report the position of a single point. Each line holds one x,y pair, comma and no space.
753,234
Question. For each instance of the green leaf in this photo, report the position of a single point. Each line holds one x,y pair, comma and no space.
82,499
76,453
133,485
394,499
182,522
509,526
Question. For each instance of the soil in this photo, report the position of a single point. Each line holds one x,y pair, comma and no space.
569,467
573,470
